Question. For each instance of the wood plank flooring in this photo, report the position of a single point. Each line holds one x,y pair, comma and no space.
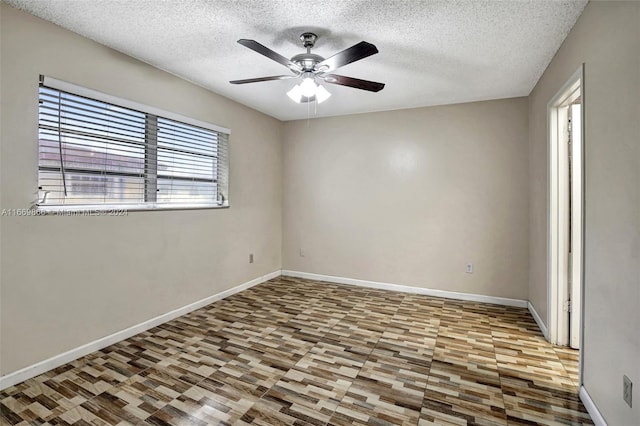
299,352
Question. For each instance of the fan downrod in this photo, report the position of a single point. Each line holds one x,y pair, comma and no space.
307,61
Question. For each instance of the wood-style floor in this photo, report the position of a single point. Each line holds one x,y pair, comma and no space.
300,352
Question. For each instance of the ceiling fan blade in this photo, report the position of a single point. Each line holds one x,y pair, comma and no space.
259,79
352,54
264,50
356,83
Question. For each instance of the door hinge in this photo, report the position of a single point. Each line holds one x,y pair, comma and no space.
567,306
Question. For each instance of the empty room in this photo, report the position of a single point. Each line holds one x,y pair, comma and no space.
383,212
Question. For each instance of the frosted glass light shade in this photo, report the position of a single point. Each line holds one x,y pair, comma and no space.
308,87
322,94
295,94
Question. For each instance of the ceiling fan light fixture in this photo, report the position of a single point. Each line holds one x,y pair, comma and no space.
296,94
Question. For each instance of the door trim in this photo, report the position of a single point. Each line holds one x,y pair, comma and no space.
557,283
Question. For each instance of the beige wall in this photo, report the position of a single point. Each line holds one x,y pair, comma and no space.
409,197
69,280
607,39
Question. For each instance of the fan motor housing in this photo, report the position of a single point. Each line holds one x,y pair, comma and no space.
307,60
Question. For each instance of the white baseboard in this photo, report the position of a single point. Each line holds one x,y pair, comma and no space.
593,411
409,289
63,358
539,321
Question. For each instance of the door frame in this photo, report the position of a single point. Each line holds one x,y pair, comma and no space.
557,241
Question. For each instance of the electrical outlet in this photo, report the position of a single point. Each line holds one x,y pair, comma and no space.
627,387
250,257
302,253
469,268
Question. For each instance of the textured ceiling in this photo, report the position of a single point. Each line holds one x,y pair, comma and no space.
431,52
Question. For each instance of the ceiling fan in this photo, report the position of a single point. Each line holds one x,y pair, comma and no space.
312,68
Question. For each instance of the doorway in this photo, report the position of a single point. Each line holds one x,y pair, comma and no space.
566,223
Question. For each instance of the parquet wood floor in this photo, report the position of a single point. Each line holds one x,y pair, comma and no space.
299,352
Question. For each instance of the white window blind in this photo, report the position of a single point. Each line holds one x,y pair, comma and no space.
94,153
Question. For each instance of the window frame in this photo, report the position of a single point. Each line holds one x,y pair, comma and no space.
152,116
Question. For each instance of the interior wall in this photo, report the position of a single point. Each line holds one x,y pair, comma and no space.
411,196
606,39
67,281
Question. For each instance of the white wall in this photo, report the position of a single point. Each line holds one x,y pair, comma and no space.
410,196
607,39
69,280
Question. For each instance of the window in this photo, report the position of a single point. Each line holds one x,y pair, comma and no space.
101,152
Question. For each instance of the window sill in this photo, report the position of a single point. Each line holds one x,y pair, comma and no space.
119,209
